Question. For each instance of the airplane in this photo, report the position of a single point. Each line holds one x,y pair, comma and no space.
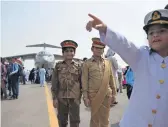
41,58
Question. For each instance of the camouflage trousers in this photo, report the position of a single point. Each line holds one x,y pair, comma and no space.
68,107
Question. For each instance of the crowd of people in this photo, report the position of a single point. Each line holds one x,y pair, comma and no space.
38,73
13,74
10,73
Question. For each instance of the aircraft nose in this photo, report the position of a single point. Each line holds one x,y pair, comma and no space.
45,58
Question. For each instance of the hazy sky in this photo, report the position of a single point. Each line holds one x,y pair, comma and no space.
24,23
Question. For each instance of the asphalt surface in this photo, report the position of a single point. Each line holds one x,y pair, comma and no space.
30,109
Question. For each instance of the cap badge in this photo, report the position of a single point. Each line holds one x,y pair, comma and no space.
156,15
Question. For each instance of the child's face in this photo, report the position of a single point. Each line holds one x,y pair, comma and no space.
158,37
69,53
97,51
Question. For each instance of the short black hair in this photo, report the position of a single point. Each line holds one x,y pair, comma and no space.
14,58
65,48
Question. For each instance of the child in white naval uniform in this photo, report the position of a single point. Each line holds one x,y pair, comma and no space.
148,106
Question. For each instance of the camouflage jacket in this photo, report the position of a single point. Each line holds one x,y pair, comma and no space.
66,80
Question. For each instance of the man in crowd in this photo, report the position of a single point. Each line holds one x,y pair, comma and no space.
14,76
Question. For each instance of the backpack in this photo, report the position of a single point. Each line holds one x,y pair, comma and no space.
20,70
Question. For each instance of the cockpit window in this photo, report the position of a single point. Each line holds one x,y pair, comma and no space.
44,53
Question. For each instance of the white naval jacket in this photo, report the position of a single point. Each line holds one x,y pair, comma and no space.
148,105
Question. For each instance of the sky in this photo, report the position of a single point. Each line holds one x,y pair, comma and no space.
34,22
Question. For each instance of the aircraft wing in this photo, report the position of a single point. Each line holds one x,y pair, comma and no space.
24,56
33,55
43,45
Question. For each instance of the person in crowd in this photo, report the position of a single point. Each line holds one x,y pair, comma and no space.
42,73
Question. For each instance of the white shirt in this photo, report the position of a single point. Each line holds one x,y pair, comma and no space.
114,63
148,106
119,69
42,73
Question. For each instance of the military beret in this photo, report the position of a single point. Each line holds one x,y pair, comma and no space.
156,17
69,43
97,43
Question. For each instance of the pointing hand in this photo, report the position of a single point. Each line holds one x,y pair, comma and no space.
96,23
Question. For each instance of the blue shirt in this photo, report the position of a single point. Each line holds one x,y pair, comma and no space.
14,68
129,77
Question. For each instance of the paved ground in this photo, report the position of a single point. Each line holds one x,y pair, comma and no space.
30,110
34,109
115,113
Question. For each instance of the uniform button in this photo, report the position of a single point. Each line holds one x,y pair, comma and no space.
149,125
154,111
161,81
163,65
158,96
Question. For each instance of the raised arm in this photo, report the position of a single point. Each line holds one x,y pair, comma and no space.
126,49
